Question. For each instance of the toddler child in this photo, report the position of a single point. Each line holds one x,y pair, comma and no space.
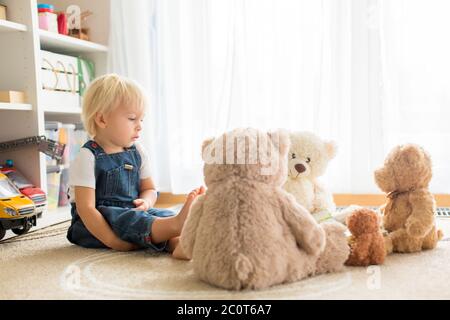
111,190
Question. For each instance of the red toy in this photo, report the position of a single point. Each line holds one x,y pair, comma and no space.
62,24
37,195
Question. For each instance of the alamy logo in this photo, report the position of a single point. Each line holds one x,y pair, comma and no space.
241,148
374,279
72,278
73,17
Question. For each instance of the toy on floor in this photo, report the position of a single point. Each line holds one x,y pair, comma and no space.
408,215
308,158
37,195
246,231
366,243
17,212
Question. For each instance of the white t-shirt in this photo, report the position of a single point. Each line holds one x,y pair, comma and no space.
82,169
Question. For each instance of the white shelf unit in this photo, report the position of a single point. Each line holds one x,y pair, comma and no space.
9,26
64,44
15,106
21,41
62,111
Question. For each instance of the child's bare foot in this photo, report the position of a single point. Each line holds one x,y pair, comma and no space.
182,215
175,248
179,254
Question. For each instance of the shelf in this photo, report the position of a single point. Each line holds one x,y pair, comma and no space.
9,26
62,110
15,106
66,44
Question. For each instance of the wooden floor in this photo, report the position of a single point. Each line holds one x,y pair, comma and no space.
443,200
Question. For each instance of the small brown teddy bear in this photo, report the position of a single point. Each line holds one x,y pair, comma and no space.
366,242
410,207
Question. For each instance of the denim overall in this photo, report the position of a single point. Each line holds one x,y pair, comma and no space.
116,186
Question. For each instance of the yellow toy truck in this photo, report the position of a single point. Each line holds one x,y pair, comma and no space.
17,212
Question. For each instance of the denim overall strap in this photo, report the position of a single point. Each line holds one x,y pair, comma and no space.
95,148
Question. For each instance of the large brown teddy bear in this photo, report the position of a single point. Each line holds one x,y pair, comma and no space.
246,232
408,215
366,242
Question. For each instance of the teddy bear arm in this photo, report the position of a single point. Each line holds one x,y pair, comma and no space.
307,232
421,219
188,234
360,248
378,250
388,217
323,200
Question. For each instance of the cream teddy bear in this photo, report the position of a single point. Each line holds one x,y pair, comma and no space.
308,158
246,231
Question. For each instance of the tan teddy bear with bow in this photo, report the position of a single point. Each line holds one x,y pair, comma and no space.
408,215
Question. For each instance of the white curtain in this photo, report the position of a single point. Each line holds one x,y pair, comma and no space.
130,55
213,65
415,55
266,64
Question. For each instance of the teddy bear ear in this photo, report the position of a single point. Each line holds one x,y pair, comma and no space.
205,145
280,140
331,148
412,152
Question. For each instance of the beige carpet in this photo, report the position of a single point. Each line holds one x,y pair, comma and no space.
44,265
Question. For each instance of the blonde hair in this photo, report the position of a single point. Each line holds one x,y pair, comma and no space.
105,93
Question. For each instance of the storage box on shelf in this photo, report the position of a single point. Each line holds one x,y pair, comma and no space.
11,96
13,100
59,76
48,19
53,179
64,80
74,136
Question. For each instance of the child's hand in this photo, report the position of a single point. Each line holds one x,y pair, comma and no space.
141,204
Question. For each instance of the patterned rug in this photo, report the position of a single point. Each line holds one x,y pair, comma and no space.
44,265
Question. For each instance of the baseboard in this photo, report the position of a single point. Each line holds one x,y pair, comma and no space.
442,200
167,199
